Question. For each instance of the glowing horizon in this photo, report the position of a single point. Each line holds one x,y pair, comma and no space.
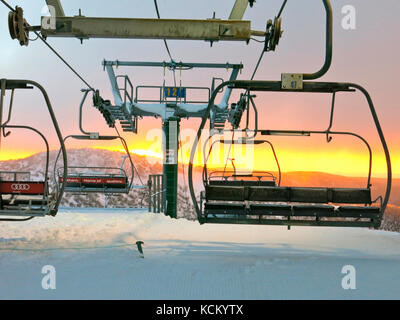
290,161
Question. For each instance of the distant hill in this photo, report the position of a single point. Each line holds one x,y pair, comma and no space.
148,165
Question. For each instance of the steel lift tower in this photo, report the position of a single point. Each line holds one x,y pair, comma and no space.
171,106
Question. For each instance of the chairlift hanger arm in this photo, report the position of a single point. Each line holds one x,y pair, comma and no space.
274,33
85,93
328,44
6,134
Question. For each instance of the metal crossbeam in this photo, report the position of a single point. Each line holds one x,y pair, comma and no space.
131,28
176,65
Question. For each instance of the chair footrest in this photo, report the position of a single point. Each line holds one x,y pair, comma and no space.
313,210
359,212
96,190
284,210
24,213
24,202
271,209
249,220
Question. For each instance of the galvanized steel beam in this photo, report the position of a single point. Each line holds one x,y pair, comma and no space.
130,28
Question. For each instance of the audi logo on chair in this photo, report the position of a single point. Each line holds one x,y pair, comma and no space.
20,187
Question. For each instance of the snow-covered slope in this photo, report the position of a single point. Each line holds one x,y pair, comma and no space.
184,260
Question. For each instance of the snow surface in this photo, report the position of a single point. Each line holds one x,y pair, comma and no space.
184,260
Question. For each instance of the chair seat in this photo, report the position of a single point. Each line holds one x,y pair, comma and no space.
239,183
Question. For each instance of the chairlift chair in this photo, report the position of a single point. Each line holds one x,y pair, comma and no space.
230,201
219,196
91,179
21,196
237,178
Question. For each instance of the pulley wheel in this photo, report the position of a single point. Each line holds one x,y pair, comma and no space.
12,25
18,27
276,33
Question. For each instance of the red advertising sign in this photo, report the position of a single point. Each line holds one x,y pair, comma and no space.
94,180
115,181
22,187
71,180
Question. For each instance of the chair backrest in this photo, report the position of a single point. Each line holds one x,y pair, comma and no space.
288,194
247,183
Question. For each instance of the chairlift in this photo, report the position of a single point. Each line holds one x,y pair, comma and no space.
20,195
92,179
88,180
218,193
226,200
238,178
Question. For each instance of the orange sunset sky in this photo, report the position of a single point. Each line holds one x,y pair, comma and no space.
367,55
